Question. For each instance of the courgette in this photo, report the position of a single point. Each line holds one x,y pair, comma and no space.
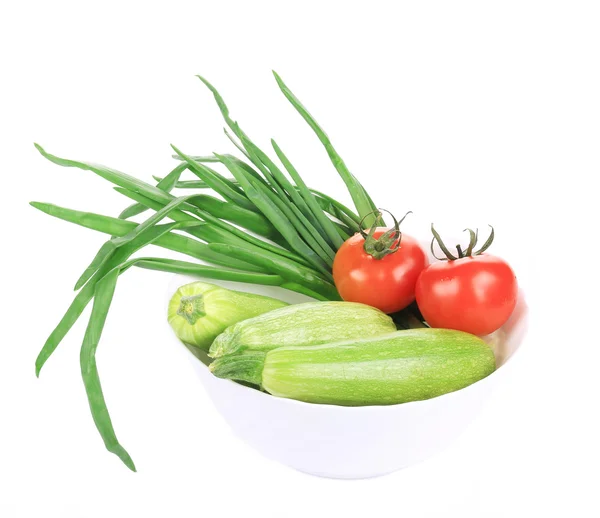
310,323
408,365
199,311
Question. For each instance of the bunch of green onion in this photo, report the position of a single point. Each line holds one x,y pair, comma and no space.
266,227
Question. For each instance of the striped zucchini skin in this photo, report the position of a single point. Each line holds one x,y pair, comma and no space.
219,309
409,365
310,323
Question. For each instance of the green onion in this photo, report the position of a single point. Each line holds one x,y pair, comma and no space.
209,272
103,295
309,198
170,241
284,185
268,229
281,266
302,226
166,184
230,191
338,210
110,247
197,158
326,203
232,140
362,201
87,292
274,215
191,184
252,221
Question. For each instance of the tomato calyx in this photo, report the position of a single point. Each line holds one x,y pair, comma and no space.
469,252
388,242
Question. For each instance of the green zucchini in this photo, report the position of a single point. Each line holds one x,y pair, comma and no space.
310,323
408,365
199,311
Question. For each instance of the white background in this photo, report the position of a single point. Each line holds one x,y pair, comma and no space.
464,112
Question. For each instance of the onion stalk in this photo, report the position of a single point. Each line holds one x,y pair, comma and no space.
267,229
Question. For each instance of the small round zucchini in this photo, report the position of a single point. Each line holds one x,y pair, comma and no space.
200,311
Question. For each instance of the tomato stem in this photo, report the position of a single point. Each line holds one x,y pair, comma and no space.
447,253
386,244
472,240
488,242
473,237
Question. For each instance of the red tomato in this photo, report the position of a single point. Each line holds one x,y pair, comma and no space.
387,283
473,294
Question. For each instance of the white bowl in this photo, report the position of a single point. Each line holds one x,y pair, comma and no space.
356,442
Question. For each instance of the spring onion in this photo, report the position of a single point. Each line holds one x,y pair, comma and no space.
268,228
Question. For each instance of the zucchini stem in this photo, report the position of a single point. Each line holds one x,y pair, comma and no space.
246,366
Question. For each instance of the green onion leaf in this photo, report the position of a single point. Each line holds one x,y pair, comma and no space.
87,292
274,215
362,201
104,292
166,184
218,183
310,199
281,266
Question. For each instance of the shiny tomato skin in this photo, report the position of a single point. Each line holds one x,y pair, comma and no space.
473,294
388,283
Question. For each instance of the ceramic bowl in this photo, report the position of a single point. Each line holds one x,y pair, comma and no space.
355,442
